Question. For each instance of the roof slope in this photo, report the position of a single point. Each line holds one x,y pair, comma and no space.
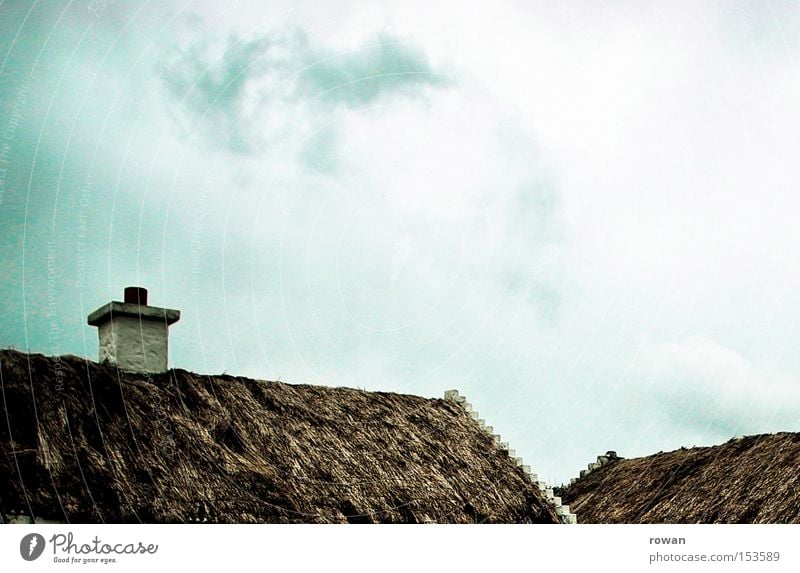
754,479
83,442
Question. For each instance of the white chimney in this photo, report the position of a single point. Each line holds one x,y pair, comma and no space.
134,336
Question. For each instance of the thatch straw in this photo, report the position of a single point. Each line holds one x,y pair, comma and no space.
83,442
746,480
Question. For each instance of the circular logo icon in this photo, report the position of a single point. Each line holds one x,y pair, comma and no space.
31,546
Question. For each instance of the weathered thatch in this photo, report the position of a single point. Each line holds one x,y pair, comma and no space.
83,442
746,480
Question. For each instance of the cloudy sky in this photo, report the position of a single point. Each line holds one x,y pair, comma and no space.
582,215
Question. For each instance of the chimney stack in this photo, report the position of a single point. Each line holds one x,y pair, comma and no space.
132,335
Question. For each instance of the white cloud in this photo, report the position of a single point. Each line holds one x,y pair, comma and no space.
704,387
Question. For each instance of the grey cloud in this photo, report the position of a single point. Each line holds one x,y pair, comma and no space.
254,86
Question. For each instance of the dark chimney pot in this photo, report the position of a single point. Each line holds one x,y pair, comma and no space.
136,295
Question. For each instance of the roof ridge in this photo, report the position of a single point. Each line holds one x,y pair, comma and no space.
563,511
602,460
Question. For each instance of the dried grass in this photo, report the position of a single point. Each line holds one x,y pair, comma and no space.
83,442
754,479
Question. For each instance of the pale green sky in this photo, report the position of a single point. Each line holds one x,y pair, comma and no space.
581,216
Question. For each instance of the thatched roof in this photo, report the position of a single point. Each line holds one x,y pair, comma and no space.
83,442
754,479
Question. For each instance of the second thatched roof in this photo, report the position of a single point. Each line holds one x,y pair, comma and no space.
755,479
